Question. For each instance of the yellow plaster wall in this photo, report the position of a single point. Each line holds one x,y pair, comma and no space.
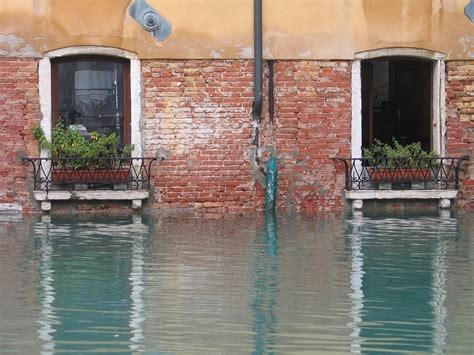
293,29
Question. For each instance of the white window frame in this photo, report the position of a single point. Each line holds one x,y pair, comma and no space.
438,129
44,73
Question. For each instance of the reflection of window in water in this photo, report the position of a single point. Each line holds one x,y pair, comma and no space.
398,283
93,93
83,292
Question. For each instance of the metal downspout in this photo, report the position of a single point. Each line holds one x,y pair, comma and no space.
258,73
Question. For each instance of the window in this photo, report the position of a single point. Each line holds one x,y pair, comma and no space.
397,100
92,93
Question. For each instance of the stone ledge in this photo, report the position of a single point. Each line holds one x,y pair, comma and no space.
101,195
358,196
10,207
400,194
136,196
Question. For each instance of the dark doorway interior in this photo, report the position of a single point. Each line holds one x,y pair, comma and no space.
396,101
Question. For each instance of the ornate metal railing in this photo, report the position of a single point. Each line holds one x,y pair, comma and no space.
91,173
423,173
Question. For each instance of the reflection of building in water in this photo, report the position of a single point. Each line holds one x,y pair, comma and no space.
399,284
459,293
312,310
91,281
18,296
244,286
266,289
240,286
202,285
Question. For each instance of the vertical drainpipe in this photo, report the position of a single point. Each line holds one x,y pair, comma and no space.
258,72
272,166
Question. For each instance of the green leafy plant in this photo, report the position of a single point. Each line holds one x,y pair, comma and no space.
396,155
68,143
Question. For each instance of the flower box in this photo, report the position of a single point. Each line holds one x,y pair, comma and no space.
98,176
399,175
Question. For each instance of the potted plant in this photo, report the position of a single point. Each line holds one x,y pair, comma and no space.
77,158
397,162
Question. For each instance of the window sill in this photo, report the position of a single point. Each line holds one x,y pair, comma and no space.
45,197
444,196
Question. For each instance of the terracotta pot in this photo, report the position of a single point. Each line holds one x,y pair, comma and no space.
403,175
67,176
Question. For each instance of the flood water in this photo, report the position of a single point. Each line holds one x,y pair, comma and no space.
321,284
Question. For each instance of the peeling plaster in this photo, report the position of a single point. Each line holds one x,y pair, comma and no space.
245,52
467,44
304,55
11,45
272,39
271,35
312,30
256,171
216,54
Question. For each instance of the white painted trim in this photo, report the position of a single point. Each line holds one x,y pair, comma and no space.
435,129
44,87
136,122
442,107
356,103
91,50
406,52
439,107
400,194
44,72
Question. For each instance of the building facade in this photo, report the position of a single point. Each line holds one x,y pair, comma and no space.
179,86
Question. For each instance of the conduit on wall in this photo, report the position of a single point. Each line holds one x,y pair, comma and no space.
257,80
272,166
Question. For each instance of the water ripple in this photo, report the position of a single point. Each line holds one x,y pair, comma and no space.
331,284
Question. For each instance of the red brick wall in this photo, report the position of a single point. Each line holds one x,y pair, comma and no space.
19,111
198,114
460,123
313,124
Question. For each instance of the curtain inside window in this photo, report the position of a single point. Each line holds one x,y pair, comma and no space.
91,96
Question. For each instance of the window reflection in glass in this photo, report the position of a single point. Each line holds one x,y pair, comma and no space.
91,96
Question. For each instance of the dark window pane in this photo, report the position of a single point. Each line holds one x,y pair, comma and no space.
91,96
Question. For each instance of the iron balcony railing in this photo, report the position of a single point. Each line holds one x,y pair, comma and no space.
86,173
422,173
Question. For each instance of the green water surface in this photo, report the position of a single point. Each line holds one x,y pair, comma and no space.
370,284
